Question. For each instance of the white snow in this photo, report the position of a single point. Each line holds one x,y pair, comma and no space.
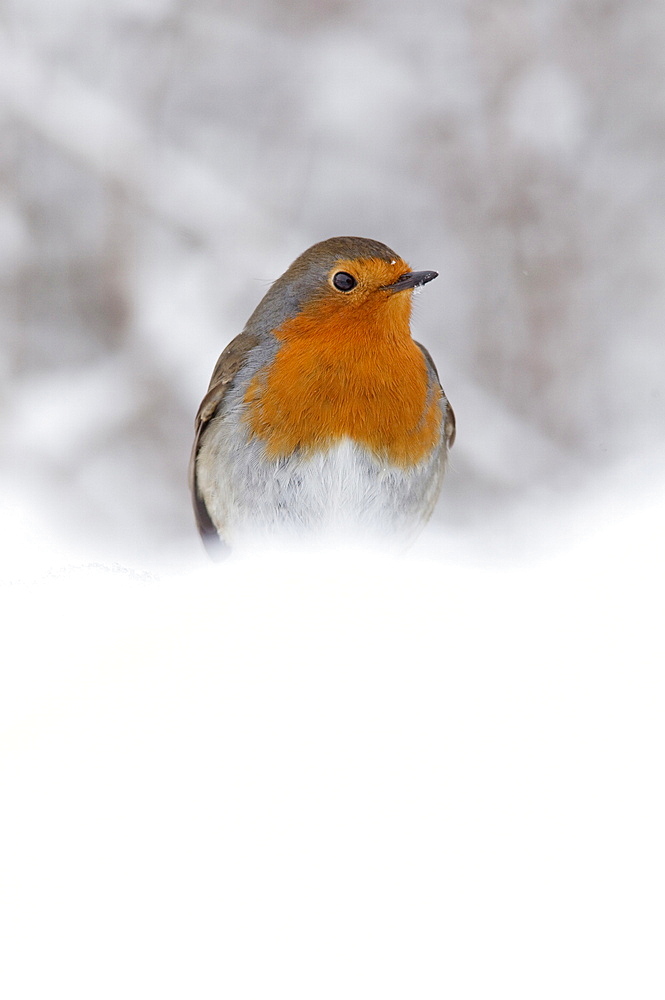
326,775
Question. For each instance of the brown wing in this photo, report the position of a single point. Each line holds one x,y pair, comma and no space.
449,426
226,369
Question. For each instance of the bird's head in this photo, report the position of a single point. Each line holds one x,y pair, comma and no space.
341,286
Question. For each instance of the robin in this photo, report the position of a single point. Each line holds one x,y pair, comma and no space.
324,415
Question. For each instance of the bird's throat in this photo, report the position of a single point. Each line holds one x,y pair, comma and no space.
334,378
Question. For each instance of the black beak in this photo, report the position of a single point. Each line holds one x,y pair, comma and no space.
412,279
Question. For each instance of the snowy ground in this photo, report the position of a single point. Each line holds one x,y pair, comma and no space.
335,776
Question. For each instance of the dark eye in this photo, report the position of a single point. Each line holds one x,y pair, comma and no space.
344,282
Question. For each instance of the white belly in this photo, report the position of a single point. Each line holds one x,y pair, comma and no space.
343,492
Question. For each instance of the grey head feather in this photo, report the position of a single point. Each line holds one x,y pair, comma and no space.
307,275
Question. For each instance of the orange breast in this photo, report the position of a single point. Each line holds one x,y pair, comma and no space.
352,373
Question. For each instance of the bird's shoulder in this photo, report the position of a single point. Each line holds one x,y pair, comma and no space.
449,424
228,365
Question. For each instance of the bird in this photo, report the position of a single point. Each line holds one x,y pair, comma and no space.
323,417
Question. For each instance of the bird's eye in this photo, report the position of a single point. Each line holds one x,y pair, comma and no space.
344,282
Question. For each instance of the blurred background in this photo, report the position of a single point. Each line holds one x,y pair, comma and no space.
162,162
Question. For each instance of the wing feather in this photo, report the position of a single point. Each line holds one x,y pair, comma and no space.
228,365
449,425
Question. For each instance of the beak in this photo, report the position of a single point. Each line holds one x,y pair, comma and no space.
412,279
